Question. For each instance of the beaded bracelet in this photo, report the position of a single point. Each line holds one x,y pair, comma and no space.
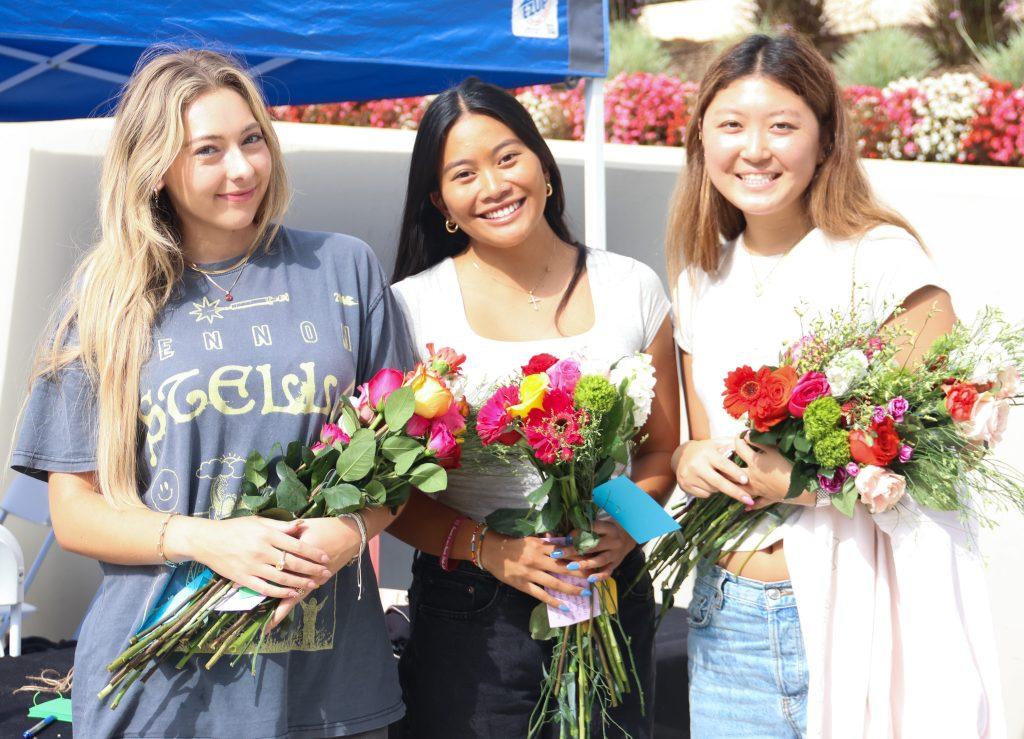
160,540
447,564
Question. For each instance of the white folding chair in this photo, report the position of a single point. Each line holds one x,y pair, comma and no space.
12,587
25,498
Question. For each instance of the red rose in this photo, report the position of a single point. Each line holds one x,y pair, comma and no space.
539,363
742,388
960,400
772,404
878,446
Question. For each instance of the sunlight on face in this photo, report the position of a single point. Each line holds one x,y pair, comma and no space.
761,147
220,177
492,184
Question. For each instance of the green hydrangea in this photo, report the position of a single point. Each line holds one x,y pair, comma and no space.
833,450
596,394
821,417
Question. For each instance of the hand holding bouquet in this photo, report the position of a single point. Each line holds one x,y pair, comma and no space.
402,431
859,428
575,429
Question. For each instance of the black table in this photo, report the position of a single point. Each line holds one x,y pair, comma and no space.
37,655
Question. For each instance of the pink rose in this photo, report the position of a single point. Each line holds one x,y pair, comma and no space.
564,375
898,408
880,490
317,447
906,452
988,420
811,386
1008,382
331,433
382,385
361,403
417,426
443,445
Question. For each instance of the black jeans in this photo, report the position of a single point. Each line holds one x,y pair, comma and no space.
471,668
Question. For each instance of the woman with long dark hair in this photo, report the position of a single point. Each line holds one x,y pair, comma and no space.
487,263
825,625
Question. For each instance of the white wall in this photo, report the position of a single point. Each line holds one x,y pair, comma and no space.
353,180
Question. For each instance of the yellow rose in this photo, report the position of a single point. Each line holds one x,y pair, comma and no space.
532,392
433,398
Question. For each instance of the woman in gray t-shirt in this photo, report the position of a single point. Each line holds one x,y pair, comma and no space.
196,331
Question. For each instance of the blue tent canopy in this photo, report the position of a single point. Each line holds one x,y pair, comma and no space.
70,60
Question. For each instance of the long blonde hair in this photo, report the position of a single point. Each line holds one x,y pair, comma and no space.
839,199
122,284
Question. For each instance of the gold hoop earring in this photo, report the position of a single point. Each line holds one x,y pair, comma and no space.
549,190
450,226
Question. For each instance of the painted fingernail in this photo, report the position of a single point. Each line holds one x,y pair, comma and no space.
592,579
586,593
563,607
556,554
748,508
748,500
744,479
568,540
326,573
325,559
573,566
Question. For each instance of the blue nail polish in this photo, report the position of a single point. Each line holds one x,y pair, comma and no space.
556,554
586,593
592,579
573,566
563,607
568,540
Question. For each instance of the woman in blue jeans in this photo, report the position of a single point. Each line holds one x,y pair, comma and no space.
774,224
487,264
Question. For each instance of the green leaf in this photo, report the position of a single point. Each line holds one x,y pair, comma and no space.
405,461
802,444
511,521
251,502
292,495
399,407
342,498
398,495
765,438
610,427
429,478
845,500
604,472
376,492
294,454
256,469
537,495
349,420
802,477
540,629
620,451
551,515
357,460
395,446
278,514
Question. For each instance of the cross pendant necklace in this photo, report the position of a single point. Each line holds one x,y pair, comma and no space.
533,300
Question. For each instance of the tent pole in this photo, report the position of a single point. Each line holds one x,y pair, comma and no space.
593,164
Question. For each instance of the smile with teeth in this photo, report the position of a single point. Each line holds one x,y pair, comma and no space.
758,179
503,212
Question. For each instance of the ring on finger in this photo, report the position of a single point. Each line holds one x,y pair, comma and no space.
279,565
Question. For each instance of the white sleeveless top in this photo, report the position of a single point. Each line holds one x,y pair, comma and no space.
630,305
893,608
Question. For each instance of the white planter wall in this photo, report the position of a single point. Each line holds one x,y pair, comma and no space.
353,180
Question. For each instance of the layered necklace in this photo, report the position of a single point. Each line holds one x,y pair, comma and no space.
240,265
533,299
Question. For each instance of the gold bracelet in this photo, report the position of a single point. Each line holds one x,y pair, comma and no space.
160,540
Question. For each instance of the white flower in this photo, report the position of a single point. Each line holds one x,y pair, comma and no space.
845,370
638,370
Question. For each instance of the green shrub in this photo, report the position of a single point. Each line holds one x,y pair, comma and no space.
880,57
633,49
1005,62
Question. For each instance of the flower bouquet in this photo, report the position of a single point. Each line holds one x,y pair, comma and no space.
862,428
402,431
576,429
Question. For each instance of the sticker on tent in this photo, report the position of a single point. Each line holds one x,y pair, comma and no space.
535,18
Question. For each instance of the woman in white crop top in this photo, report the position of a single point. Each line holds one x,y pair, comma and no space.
826,626
486,264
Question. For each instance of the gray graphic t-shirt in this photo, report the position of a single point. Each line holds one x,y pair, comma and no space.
311,317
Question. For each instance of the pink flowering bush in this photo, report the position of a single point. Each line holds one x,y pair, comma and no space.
951,118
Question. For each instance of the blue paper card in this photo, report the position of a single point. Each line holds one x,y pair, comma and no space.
636,511
173,601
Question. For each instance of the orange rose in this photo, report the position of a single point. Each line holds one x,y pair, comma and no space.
960,400
878,447
772,404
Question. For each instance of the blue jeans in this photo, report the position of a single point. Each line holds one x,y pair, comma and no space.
748,674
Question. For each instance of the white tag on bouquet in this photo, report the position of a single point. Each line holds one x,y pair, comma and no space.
581,608
239,599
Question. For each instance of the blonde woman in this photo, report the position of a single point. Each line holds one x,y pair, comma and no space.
826,626
196,330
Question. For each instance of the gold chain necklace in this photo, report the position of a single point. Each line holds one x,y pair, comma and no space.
760,284
240,265
533,299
